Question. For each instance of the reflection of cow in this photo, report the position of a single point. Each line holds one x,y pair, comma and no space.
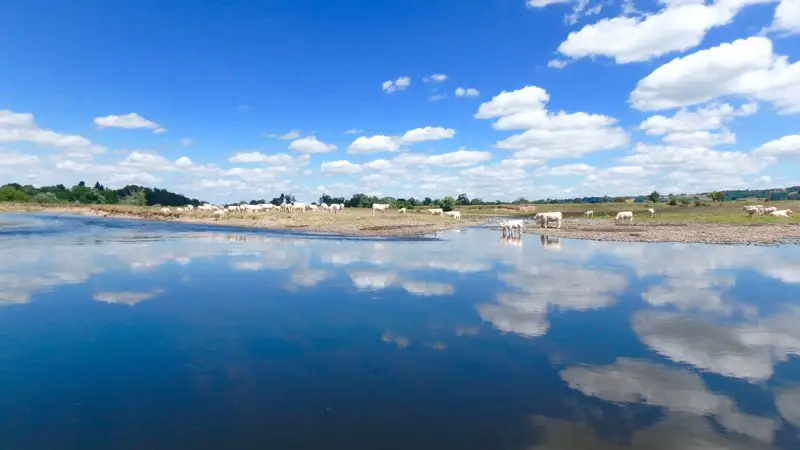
551,243
510,239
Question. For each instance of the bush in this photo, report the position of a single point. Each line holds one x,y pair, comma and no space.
46,197
138,198
672,201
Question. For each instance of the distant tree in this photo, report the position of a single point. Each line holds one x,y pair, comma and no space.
654,197
82,183
46,197
427,201
413,202
717,196
9,193
462,199
448,203
476,201
138,198
98,186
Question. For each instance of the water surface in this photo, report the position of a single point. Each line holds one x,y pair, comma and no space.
132,334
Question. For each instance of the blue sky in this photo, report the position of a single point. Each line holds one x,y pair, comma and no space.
238,100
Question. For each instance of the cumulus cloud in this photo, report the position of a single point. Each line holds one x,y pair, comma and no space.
374,144
566,170
428,134
701,119
147,160
400,84
12,159
21,128
311,145
678,27
435,78
427,289
341,167
456,159
745,67
126,298
277,159
467,92
785,147
787,16
548,135
557,63
130,121
186,142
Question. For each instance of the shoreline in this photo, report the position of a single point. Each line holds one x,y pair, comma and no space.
666,232
361,222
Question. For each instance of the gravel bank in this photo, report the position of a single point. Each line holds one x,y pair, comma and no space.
655,231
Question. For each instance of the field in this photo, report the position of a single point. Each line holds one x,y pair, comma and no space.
724,223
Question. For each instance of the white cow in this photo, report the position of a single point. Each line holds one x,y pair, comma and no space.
382,207
624,215
190,208
313,208
588,214
165,210
435,211
511,225
336,207
298,206
453,214
770,210
781,213
652,212
544,219
219,213
401,211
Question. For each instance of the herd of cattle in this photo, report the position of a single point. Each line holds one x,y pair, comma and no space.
760,210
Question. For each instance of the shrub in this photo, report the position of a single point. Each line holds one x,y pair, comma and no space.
46,197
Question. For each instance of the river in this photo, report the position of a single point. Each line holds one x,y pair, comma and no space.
150,335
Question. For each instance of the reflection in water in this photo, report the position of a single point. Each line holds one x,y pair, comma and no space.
176,336
511,240
551,242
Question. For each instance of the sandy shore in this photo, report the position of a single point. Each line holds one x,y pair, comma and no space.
351,222
655,231
361,222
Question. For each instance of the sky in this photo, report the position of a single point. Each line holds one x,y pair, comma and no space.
238,100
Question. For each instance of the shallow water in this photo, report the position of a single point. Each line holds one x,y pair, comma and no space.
131,334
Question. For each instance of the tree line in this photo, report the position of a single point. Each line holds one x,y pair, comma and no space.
97,194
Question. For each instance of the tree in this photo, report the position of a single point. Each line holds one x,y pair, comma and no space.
427,201
46,197
654,197
448,203
717,196
462,199
9,193
673,201
138,198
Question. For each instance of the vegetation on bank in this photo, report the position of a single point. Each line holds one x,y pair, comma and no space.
97,195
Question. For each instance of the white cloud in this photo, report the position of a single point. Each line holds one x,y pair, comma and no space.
427,289
549,136
353,131
700,139
557,63
278,159
128,121
437,97
12,159
694,159
373,144
787,146
459,158
140,178
567,170
21,127
435,78
293,134
428,134
311,145
146,160
543,3
787,16
678,27
467,92
400,84
184,162
186,142
702,119
745,67
341,167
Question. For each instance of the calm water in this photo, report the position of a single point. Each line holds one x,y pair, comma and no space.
118,334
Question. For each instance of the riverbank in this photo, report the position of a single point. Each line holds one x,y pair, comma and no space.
361,222
350,222
647,230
